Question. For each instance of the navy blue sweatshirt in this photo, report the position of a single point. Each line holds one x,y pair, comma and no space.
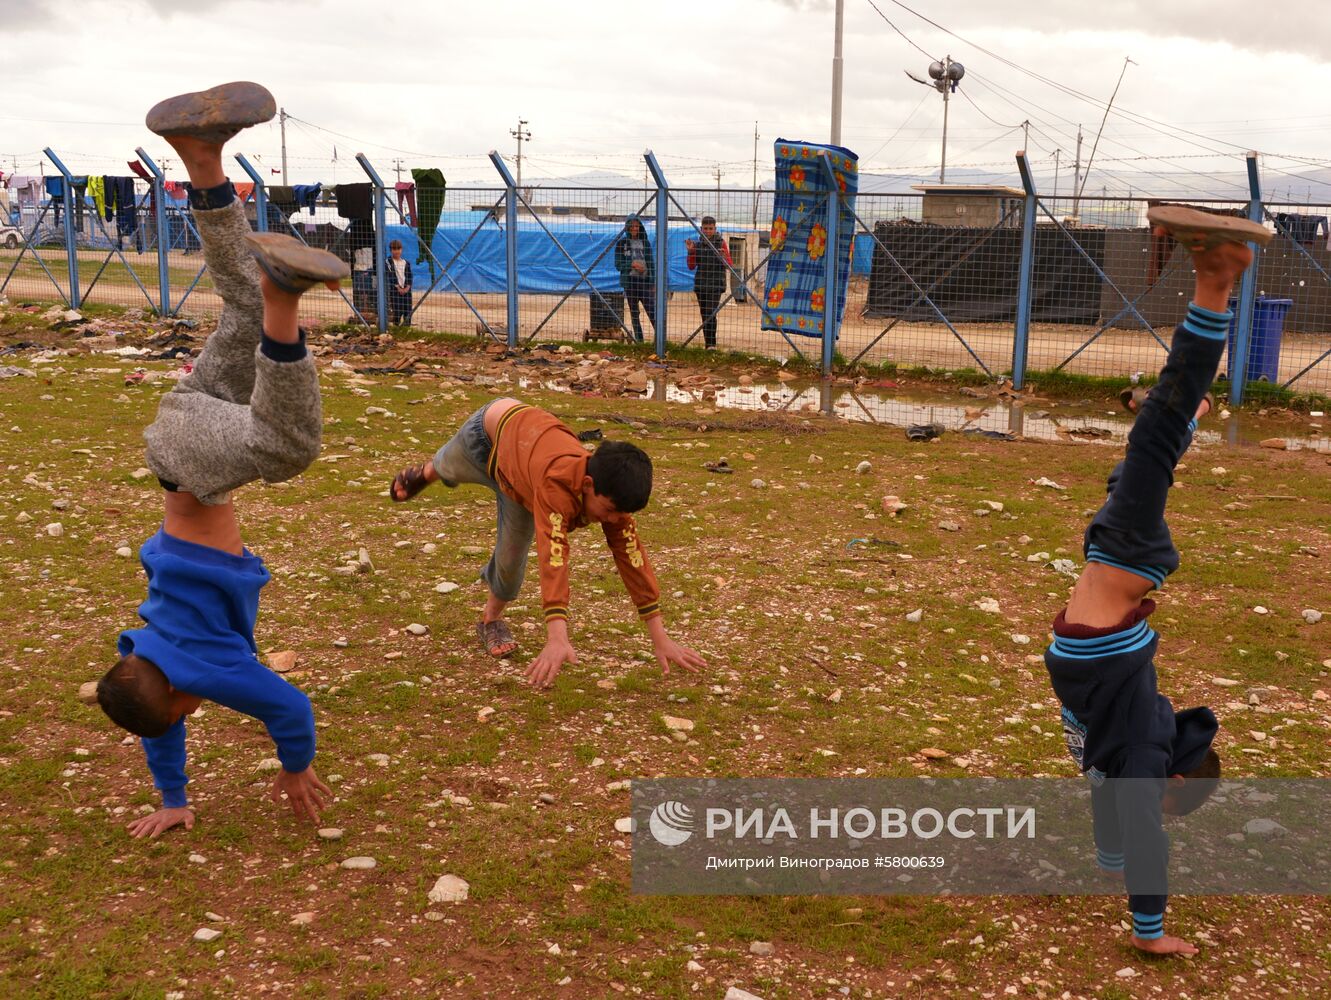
200,613
1119,726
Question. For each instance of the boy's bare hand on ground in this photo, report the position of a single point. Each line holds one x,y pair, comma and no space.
159,822
545,668
668,651
304,791
1166,945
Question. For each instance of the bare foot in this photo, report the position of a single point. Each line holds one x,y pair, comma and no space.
202,160
1166,945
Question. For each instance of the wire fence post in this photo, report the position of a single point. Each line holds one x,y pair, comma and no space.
831,296
159,222
380,243
510,244
1238,360
662,316
1022,329
260,194
71,241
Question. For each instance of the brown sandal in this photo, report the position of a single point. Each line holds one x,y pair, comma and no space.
1133,397
1198,230
412,480
496,638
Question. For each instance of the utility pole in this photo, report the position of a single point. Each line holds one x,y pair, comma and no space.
717,174
1057,153
521,134
755,175
282,123
942,168
1108,108
1026,134
1076,175
397,165
836,71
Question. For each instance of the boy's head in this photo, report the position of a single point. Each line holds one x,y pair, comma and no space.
137,696
395,247
1185,792
633,226
618,481
708,226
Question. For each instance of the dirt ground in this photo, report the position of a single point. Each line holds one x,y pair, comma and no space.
443,762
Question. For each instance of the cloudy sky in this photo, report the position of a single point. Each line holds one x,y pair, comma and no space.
598,81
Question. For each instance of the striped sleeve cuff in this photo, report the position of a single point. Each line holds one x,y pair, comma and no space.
1207,323
1115,644
1108,862
174,798
647,610
556,612
1148,926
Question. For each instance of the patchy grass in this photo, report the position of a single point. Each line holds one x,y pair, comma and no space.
760,580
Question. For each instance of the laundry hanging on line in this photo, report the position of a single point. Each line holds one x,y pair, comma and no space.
355,201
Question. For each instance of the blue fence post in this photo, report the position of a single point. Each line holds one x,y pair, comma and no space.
1238,362
662,317
510,244
71,241
1022,329
831,296
159,221
260,194
380,243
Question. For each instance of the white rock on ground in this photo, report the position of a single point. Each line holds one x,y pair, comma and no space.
416,628
758,484
303,919
1264,829
207,934
761,948
447,587
735,993
359,864
1312,616
624,825
449,889
124,552
330,833
270,764
382,759
915,615
864,468
55,529
88,692
677,725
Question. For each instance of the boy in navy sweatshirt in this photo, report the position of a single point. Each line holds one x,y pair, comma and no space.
249,410
1143,758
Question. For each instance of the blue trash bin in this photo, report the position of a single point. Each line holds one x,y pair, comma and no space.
1268,329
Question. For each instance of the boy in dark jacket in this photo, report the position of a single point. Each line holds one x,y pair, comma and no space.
709,259
1143,758
249,410
637,272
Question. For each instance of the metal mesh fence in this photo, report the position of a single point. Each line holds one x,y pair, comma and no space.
928,287
1294,290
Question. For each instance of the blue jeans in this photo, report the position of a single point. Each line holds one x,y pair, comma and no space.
463,460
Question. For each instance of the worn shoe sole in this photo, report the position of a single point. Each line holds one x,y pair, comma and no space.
213,115
1203,230
291,265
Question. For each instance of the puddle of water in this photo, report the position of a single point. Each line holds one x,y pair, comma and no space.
997,416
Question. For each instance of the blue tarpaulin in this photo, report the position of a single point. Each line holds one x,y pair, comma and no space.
541,266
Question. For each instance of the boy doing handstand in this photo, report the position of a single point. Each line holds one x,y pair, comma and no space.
1143,758
249,410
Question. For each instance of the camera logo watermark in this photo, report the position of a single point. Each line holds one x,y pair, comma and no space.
671,823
